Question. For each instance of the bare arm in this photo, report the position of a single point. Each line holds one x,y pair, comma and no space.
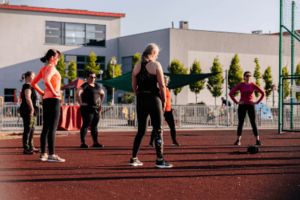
232,92
29,101
34,82
102,95
262,94
161,83
78,94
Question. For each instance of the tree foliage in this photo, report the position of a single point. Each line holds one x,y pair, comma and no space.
72,71
92,64
135,58
285,82
267,77
176,67
235,72
214,83
196,87
61,68
257,75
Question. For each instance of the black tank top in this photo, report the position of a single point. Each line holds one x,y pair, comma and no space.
24,108
90,95
147,83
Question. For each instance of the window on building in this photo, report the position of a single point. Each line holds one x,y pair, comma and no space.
10,95
54,33
75,34
126,64
82,60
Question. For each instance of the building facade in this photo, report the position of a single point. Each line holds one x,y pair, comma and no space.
30,32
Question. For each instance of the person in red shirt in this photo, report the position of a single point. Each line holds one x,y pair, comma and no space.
246,105
168,114
51,103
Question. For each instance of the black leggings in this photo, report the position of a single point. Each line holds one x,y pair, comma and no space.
90,117
242,110
149,105
28,124
170,120
51,110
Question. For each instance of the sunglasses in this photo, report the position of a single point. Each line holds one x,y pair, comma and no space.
248,76
92,76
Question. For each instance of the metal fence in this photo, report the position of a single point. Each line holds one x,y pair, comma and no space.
124,117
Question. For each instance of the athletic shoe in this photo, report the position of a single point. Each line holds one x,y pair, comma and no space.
238,143
44,157
163,164
176,144
98,145
35,150
151,144
135,162
84,146
27,152
55,158
258,142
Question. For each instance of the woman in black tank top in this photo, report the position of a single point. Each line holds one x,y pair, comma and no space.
149,87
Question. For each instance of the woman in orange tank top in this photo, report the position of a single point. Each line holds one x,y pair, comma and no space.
51,103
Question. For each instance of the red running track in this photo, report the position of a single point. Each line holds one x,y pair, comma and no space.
206,166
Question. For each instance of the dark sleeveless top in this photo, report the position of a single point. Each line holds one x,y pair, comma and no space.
24,108
147,83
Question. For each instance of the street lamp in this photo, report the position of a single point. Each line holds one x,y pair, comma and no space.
113,62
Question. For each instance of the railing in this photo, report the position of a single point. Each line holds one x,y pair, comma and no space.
124,117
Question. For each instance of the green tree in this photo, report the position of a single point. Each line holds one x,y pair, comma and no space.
196,87
128,98
72,71
61,68
135,58
235,73
92,64
297,73
214,83
257,75
176,67
267,77
113,70
285,82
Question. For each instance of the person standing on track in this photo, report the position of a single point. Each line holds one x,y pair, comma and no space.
168,114
149,87
28,111
246,105
90,97
51,103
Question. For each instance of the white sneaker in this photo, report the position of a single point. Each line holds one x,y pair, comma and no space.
135,162
44,157
55,158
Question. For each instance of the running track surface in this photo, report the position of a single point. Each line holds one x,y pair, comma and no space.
206,166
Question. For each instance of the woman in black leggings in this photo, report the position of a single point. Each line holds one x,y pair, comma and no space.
246,105
51,103
149,87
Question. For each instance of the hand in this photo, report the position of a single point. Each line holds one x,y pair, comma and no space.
83,104
241,103
99,109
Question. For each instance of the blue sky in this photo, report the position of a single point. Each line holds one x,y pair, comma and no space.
216,15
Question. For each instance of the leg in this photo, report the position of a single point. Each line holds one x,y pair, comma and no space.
26,132
45,130
94,126
252,115
142,113
32,128
156,120
152,138
86,118
53,122
241,117
170,120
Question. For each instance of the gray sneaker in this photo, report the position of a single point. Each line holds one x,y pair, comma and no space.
43,157
55,158
135,162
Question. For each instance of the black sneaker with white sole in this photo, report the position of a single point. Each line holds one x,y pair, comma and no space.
163,164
